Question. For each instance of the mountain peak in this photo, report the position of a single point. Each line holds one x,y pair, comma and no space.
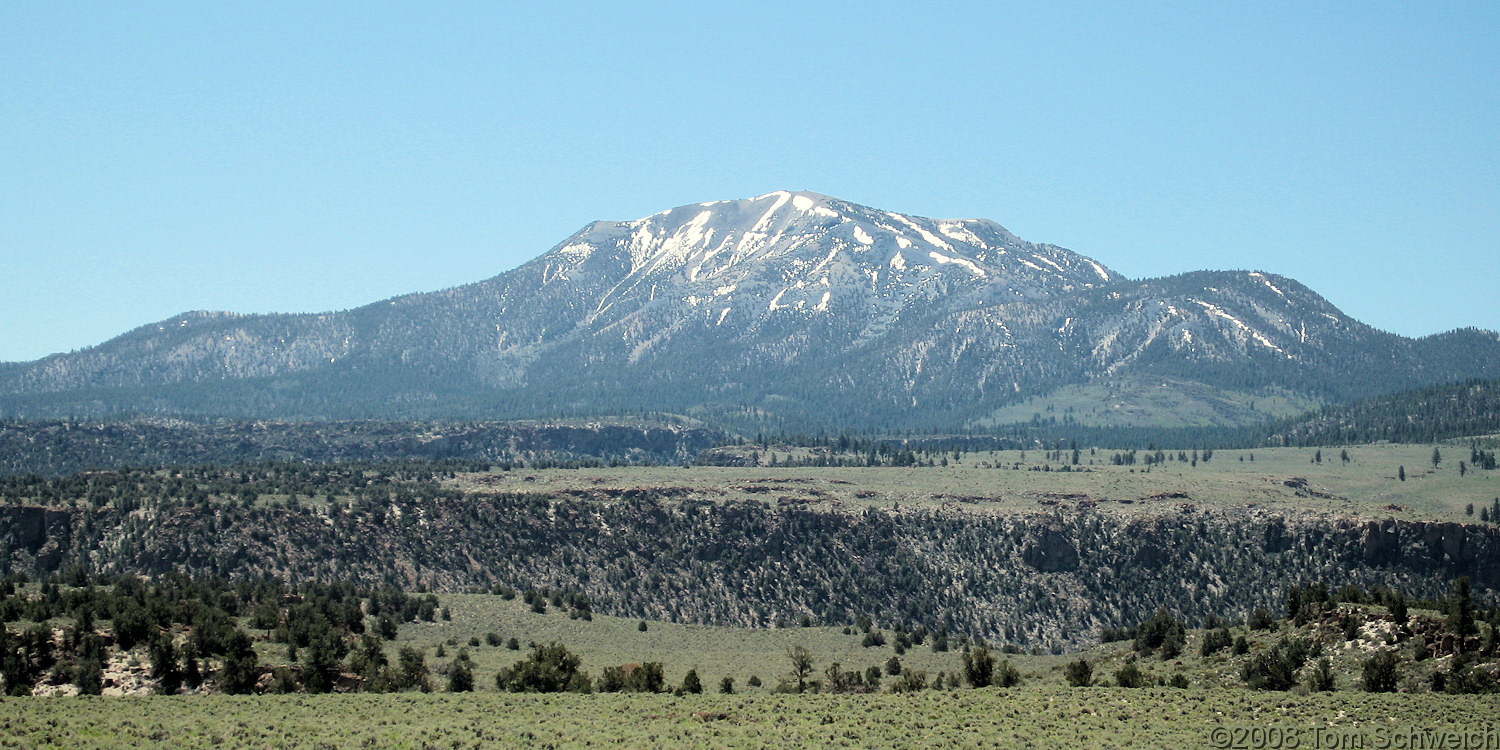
791,308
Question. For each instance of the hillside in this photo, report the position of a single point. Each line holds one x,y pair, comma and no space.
65,447
1441,412
787,311
1030,561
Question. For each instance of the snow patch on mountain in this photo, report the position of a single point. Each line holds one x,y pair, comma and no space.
966,263
929,237
1103,274
957,231
1267,282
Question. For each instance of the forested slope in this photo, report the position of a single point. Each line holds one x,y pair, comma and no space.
1041,578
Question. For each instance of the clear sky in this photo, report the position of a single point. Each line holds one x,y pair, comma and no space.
163,157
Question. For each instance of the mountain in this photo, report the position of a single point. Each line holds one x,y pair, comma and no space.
791,310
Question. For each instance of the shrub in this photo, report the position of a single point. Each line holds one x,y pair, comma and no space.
1321,679
1007,675
1261,619
1215,641
647,678
1276,668
1079,673
549,669
611,680
1130,676
910,682
1162,631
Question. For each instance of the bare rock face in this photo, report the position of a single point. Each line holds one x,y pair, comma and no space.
1051,552
44,533
1382,542
127,673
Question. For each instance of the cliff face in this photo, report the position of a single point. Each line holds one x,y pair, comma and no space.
43,534
1033,579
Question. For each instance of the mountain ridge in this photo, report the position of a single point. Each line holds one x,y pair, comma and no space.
790,309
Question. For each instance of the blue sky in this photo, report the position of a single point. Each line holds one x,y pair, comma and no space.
163,157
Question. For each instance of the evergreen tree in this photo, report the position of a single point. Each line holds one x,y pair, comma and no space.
1461,613
802,664
1381,673
164,666
460,677
241,667
411,670
978,667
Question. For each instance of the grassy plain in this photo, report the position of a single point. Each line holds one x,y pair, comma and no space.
718,651
1367,486
1025,717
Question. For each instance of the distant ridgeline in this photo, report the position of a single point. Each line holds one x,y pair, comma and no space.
1425,415
1444,412
55,448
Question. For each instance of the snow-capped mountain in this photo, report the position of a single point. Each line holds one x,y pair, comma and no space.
795,308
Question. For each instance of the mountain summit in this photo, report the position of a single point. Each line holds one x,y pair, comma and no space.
791,309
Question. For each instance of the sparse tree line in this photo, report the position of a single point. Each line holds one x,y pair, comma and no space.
192,634
1315,619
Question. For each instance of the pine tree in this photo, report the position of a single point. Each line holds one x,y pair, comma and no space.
1461,613
460,677
979,667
